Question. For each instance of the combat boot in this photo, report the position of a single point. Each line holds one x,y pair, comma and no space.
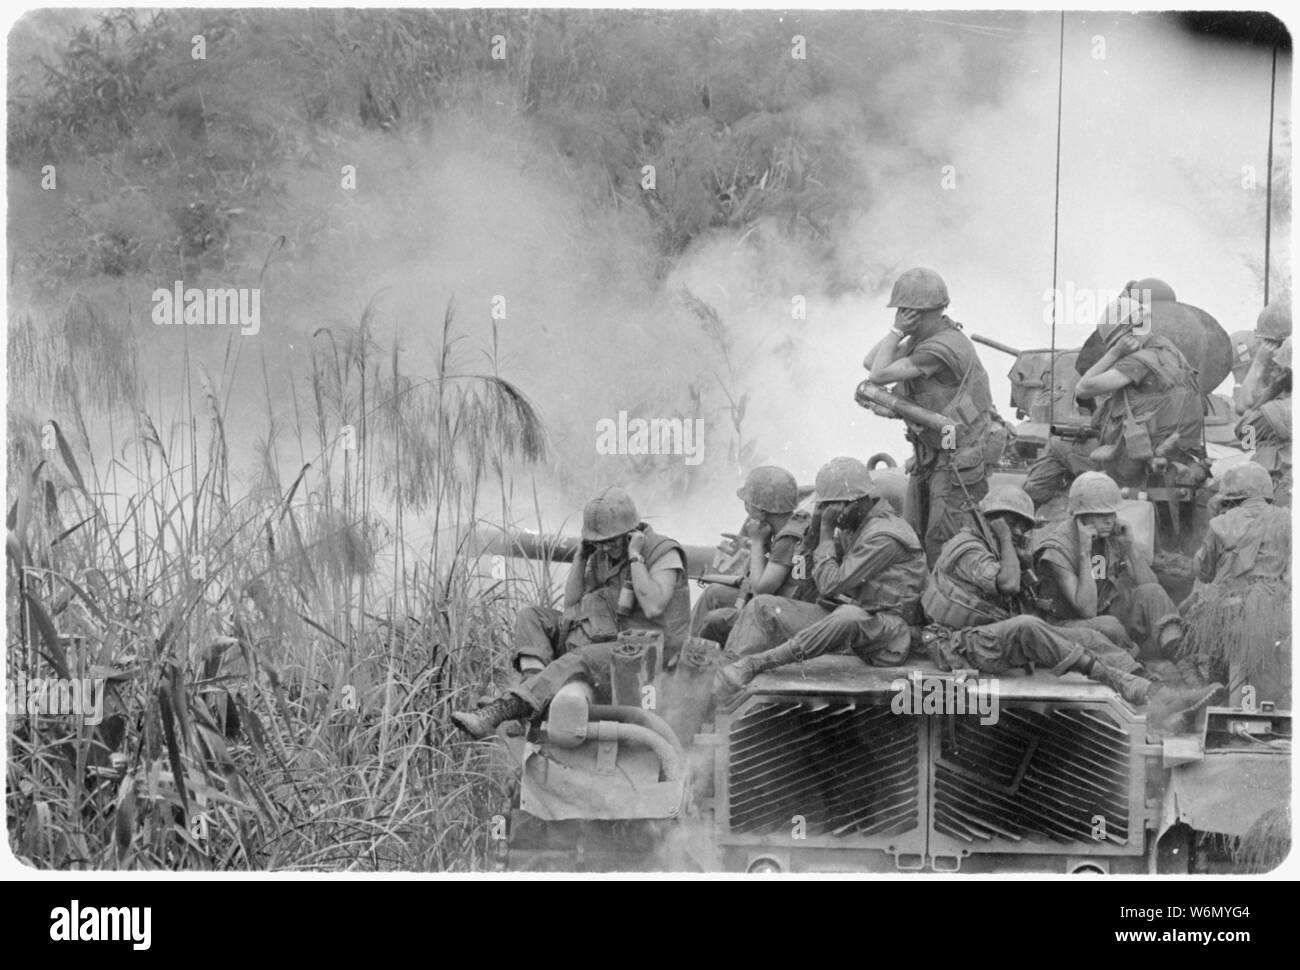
733,677
1192,672
1169,705
1131,687
484,721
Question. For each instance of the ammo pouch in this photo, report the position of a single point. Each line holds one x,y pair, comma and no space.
946,603
968,465
1137,441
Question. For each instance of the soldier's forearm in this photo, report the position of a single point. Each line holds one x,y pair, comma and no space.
1008,580
576,584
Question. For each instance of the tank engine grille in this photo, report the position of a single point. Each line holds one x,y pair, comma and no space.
1057,775
847,768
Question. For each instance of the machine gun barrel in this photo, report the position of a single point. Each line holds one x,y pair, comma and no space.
995,344
869,394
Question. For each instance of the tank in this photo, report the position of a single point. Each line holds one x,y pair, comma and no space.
835,766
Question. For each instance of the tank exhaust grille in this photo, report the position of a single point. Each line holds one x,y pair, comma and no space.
846,767
1058,775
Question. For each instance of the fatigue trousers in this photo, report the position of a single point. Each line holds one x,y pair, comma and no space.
1029,640
715,612
589,662
568,654
1133,620
881,639
540,635
1144,609
936,506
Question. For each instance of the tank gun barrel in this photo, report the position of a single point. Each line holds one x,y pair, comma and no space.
561,548
995,344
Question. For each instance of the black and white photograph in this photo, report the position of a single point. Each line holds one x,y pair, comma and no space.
750,443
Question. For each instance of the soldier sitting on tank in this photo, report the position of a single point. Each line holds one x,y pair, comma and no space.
869,570
1152,410
936,367
775,530
1016,646
981,580
625,576
1239,622
1091,574
1265,398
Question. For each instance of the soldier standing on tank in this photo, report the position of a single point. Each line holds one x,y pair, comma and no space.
936,367
1092,574
1241,618
1265,398
624,576
869,570
775,530
1149,407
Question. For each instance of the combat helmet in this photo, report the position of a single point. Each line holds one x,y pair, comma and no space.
1245,481
610,514
1274,321
919,289
1009,498
1095,493
771,489
1244,345
843,480
1157,290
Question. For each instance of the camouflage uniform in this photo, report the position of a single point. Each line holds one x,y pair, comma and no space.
1163,399
881,574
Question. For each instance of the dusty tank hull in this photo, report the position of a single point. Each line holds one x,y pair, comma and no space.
834,766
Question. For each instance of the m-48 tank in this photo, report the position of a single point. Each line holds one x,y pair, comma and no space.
834,766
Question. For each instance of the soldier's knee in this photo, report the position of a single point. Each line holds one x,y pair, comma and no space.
1111,628
531,618
847,617
1022,622
766,605
889,643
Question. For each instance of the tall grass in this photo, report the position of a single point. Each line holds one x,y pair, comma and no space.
280,664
